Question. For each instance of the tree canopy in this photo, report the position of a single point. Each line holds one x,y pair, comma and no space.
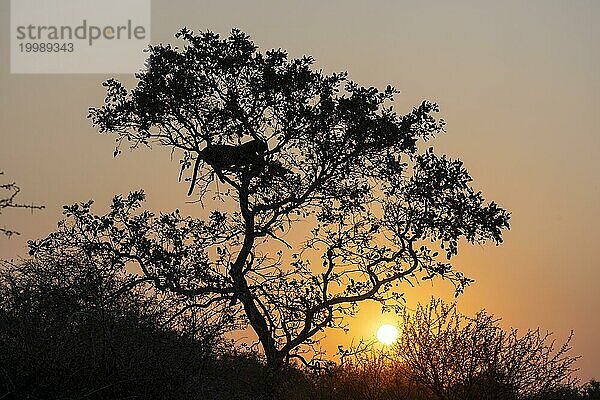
293,148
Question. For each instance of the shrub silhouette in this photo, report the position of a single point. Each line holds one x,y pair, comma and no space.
459,357
63,336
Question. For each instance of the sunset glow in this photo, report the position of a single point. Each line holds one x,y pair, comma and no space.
332,214
387,334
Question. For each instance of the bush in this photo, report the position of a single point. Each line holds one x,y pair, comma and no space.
62,335
458,357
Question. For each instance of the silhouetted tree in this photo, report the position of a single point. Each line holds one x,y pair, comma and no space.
459,357
8,195
328,157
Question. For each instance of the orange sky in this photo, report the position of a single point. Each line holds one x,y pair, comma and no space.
518,85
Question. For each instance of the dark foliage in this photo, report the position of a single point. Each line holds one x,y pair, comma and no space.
591,390
65,334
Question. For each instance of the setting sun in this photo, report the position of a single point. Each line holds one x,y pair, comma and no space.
387,334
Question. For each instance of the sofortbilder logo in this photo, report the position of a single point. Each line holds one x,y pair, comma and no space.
79,36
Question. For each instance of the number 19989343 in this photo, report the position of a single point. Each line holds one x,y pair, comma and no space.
35,47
